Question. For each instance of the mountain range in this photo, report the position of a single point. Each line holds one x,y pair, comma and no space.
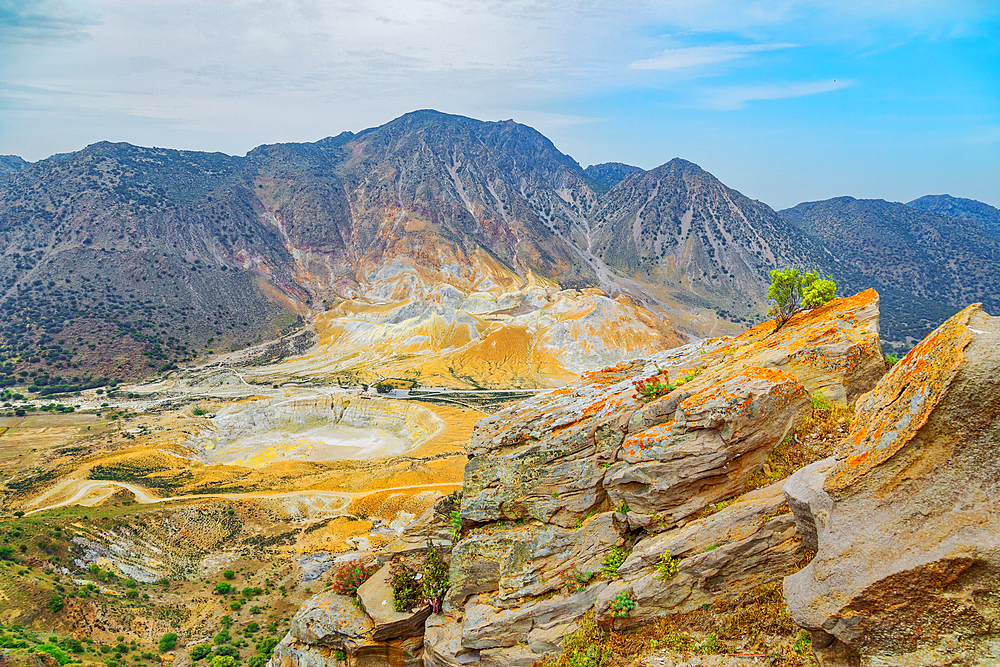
427,244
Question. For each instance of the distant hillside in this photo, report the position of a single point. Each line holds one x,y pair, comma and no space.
603,177
11,164
926,265
958,207
680,230
119,260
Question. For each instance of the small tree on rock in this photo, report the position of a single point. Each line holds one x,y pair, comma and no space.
793,292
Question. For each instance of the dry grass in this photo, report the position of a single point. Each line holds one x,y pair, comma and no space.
815,439
753,624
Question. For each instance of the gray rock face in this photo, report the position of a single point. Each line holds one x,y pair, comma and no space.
746,544
907,570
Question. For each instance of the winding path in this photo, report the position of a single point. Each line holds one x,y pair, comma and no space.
145,499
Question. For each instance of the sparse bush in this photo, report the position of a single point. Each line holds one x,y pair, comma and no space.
229,574
56,605
405,588
891,360
349,576
819,401
793,292
223,587
666,567
612,561
436,582
224,661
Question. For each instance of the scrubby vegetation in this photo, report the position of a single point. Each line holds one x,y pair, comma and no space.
755,625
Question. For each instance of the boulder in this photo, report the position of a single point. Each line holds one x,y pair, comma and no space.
716,439
329,619
907,570
748,543
376,595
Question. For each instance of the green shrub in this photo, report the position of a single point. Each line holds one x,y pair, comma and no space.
55,652
56,605
229,574
793,292
666,567
223,637
436,582
819,401
257,661
612,561
227,649
405,588
200,651
168,642
623,604
456,525
224,661
891,360
223,587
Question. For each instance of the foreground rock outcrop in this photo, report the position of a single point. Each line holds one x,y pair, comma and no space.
595,473
604,497
905,517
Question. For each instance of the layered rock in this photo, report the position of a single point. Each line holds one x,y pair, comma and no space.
905,518
557,482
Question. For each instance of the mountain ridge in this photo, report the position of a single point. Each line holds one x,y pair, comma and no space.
174,253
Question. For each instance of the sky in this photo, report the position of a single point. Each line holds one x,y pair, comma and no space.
784,100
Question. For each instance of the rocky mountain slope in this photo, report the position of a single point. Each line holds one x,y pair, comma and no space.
156,256
691,239
960,207
925,265
11,164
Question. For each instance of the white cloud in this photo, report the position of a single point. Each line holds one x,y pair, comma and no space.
692,56
725,98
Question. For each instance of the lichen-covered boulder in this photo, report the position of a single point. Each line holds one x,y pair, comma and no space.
906,518
377,598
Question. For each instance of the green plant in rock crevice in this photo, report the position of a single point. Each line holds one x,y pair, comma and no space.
666,567
623,604
612,561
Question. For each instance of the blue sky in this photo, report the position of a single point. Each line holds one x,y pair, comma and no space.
785,101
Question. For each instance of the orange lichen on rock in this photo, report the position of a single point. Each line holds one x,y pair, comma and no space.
891,414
